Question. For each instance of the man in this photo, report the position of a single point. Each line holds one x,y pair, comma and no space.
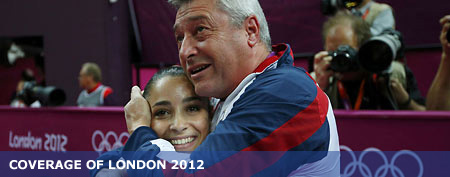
378,15
264,103
439,93
94,93
19,99
358,89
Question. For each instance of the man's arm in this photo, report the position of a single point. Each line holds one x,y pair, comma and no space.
272,115
439,94
438,97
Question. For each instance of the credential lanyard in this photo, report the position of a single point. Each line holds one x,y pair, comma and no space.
366,13
346,99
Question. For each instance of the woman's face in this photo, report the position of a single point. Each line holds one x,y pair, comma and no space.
178,114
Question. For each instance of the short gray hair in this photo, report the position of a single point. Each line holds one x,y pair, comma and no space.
239,10
93,70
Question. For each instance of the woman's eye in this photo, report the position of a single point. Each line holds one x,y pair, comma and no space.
161,113
193,109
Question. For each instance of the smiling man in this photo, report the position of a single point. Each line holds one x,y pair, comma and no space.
264,103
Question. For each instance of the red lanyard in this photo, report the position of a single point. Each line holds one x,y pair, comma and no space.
365,14
346,99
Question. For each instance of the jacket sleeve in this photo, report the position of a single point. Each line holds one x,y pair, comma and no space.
276,114
103,171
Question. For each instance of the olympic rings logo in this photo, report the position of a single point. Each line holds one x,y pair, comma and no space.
382,171
105,144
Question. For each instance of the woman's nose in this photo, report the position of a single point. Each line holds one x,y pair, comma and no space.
178,124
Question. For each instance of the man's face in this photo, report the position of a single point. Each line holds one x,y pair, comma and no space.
211,49
342,35
83,79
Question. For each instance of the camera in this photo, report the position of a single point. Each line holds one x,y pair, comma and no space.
345,59
330,7
47,96
377,54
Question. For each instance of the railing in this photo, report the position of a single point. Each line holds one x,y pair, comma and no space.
76,129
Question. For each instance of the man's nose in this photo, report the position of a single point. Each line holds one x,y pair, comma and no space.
188,49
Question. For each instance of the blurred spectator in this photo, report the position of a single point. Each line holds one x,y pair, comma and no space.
94,93
378,15
355,88
19,99
438,97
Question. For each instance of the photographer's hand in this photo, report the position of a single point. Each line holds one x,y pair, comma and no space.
403,98
445,22
440,88
399,93
321,68
137,111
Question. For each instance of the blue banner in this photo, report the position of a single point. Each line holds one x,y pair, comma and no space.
367,163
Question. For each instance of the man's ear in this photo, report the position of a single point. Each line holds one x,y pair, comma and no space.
251,25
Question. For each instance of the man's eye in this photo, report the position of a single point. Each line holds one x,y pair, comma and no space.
200,29
193,109
179,38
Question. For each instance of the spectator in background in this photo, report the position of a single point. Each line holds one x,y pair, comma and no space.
438,97
359,89
378,15
94,93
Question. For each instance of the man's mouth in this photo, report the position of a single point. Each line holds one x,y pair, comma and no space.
199,69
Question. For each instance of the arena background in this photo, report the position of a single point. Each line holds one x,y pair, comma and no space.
77,31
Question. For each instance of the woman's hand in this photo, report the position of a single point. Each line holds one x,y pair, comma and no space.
137,111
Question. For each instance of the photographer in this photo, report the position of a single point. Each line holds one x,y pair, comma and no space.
378,15
439,93
353,87
18,100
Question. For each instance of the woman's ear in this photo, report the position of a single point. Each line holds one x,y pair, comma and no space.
251,25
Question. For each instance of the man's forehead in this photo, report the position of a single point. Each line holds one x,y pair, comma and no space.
189,19
340,30
83,70
194,10
195,5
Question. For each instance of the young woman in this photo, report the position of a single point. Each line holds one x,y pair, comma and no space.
178,115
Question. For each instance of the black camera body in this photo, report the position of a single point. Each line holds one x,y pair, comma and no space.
330,7
374,56
47,96
345,59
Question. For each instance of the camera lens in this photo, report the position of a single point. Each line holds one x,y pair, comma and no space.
375,56
328,7
344,59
